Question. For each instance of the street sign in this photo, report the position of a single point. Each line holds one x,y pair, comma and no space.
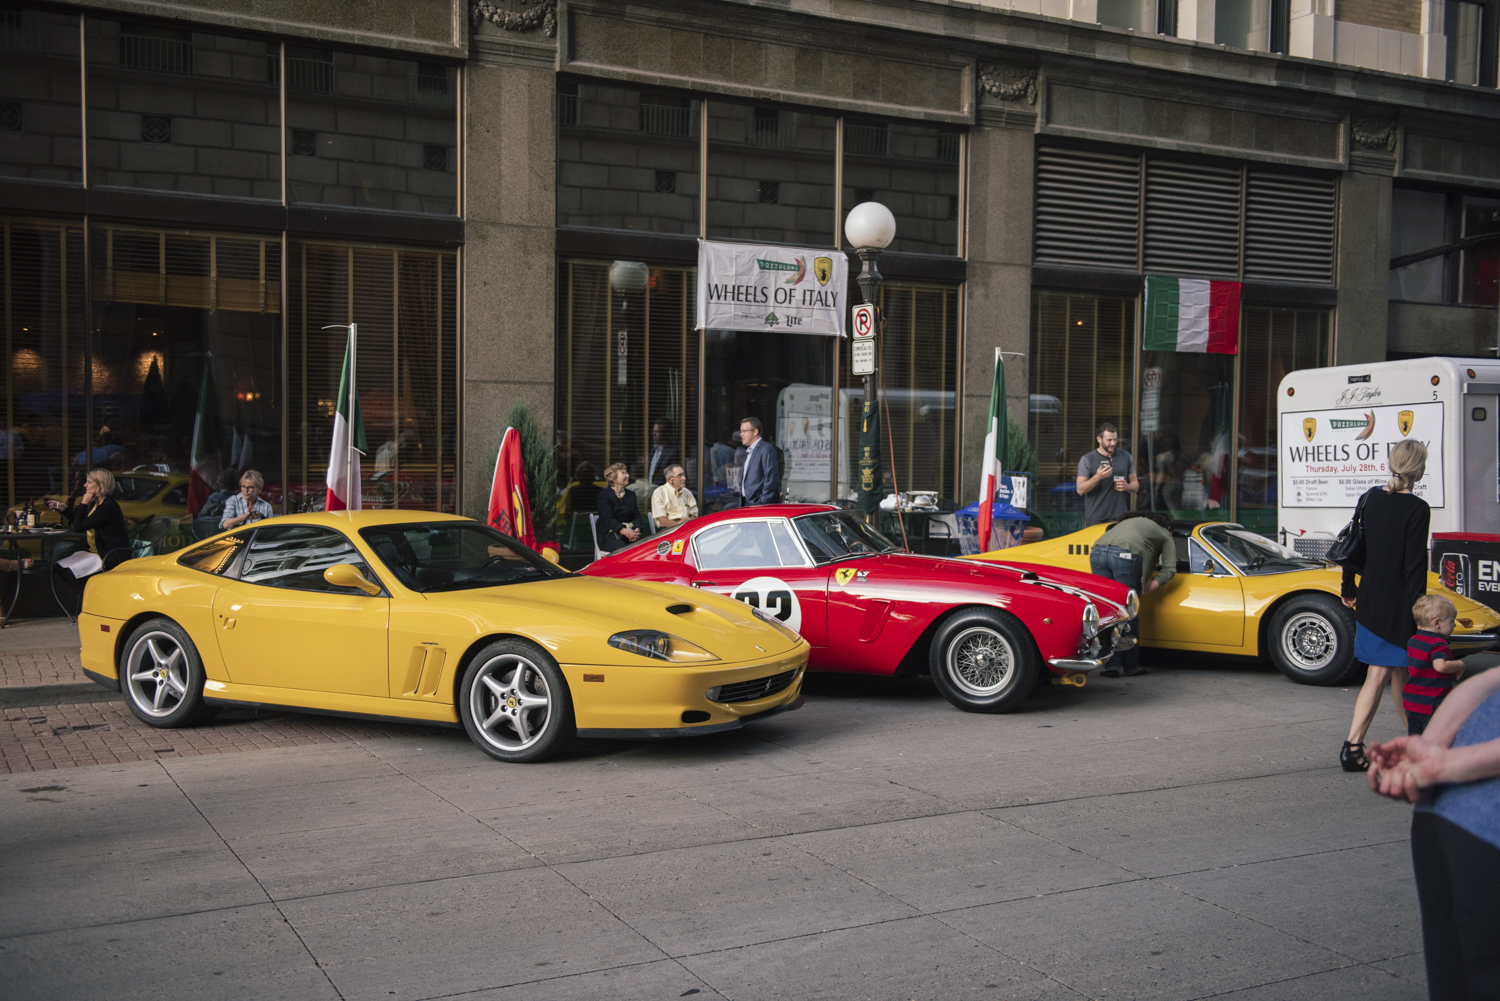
862,356
864,320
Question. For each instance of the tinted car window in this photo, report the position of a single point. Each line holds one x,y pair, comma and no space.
295,556
837,535
136,488
214,557
455,555
737,545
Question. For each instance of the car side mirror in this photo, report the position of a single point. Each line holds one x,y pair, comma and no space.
348,575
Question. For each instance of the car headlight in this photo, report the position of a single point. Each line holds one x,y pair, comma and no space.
1090,621
660,646
1132,604
772,620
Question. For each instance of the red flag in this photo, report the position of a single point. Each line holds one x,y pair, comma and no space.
509,507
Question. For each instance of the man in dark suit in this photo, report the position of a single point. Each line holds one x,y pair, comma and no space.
662,453
761,482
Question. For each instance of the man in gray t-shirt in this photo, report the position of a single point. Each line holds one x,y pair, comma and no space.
1106,478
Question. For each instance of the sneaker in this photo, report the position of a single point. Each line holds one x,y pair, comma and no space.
1109,674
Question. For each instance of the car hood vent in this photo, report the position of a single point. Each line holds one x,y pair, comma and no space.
679,609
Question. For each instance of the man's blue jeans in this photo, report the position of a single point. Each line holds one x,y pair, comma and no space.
1124,566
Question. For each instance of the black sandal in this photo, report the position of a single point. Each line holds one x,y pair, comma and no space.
1352,757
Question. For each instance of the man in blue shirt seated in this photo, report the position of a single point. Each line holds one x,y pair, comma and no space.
246,506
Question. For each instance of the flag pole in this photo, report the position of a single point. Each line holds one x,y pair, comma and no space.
353,381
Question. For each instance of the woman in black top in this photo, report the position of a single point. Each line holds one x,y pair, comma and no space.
98,514
1394,525
617,511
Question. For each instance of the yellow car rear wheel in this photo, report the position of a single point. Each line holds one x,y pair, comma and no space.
162,676
515,702
1311,640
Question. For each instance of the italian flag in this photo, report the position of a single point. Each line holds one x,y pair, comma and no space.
204,451
994,454
1191,314
348,427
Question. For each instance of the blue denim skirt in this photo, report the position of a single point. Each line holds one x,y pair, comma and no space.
1371,649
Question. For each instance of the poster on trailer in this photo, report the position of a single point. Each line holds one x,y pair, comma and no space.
1330,457
781,289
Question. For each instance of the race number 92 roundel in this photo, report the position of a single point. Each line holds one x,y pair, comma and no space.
773,595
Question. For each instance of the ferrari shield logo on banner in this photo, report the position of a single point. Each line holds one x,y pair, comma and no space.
745,287
1404,421
1309,427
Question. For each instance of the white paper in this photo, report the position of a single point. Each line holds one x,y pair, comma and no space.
781,289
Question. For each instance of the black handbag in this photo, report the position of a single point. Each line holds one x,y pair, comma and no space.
1348,550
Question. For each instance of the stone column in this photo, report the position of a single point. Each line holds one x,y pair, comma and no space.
1364,245
997,294
509,338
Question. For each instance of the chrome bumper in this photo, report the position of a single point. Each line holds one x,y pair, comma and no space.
1472,642
1081,664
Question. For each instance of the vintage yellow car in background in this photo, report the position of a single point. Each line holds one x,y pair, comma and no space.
1239,593
429,618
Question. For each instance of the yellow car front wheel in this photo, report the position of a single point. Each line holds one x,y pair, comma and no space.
515,702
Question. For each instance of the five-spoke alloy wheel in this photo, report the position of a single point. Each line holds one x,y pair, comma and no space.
515,702
162,676
983,661
1311,640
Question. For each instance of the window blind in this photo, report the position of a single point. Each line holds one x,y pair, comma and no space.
1087,208
1192,219
1289,228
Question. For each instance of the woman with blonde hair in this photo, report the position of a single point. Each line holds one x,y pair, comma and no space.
618,511
1394,524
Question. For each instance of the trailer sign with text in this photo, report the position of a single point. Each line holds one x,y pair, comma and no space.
1330,457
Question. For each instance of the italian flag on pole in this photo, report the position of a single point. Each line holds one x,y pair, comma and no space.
204,452
1191,314
994,454
348,428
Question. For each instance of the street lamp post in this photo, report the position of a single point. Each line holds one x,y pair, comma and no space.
870,228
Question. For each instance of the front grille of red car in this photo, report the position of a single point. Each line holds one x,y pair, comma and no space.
749,691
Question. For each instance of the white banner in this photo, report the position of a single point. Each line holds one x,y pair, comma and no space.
1330,457
745,287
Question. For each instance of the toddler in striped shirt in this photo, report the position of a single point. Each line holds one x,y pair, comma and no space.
1431,670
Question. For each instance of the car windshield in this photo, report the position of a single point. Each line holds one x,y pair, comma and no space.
838,535
455,555
1255,554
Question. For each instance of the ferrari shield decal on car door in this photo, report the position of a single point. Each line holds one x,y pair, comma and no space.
773,595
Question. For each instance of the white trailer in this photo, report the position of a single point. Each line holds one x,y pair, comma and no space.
1338,424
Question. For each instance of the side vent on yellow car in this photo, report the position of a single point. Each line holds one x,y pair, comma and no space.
424,671
1077,549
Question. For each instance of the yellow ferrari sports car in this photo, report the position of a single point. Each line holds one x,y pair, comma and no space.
1239,593
429,618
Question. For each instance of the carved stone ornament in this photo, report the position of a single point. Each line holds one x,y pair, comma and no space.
1008,83
543,14
1375,135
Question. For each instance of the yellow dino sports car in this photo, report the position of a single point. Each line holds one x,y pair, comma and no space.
1239,593
429,618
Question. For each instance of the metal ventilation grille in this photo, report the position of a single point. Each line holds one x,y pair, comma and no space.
1087,209
1289,228
1192,219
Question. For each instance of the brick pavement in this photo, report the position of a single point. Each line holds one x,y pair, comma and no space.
43,666
42,738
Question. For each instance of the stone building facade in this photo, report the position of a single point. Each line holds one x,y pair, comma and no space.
507,195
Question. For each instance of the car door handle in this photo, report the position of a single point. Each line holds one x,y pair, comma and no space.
704,583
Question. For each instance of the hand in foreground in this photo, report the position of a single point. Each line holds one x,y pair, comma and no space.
1402,768
1153,585
1348,602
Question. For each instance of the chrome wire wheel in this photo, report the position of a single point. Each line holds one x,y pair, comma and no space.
980,661
1309,641
511,702
157,673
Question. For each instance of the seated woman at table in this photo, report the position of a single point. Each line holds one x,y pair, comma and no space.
98,516
618,512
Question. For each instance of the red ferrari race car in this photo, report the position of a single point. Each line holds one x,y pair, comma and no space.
984,631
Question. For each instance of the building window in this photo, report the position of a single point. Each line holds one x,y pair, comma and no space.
666,116
435,157
1082,360
949,143
1465,22
768,192
767,128
1274,340
10,116
404,301
912,170
156,129
163,50
772,193
610,167
40,118
862,195
304,143
1445,247
867,138
432,78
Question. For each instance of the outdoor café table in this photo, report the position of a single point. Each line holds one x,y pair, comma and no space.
10,545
